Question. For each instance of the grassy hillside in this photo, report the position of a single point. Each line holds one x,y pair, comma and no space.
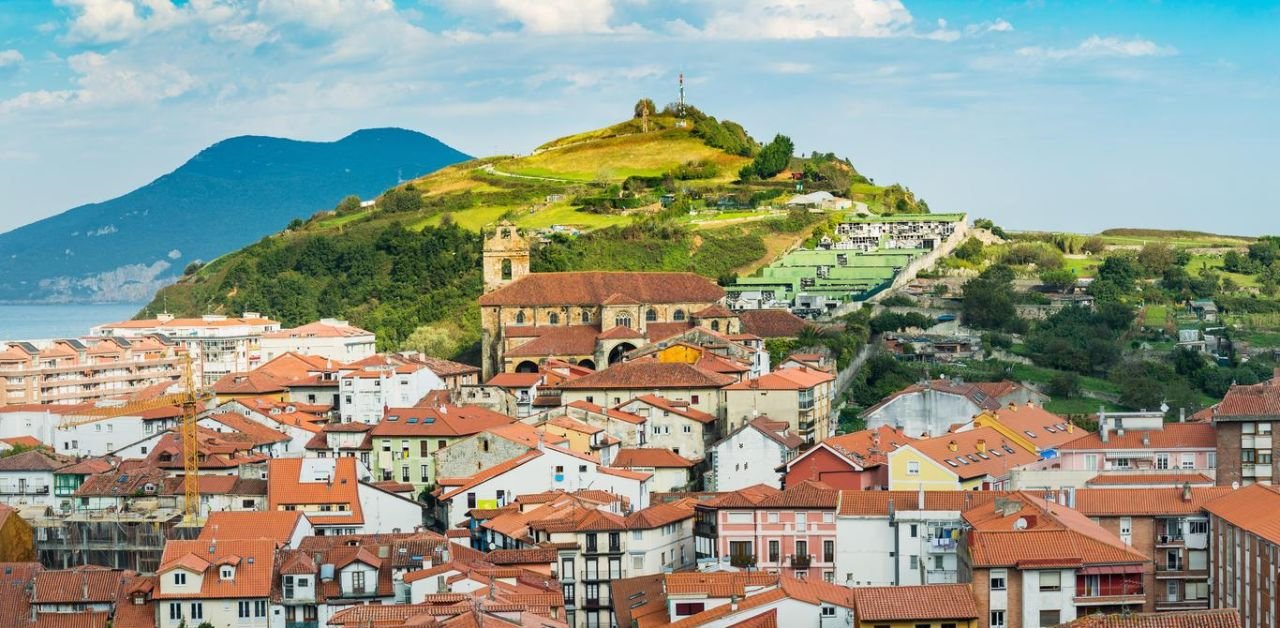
620,198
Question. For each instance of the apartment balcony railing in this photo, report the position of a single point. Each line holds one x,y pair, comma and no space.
743,561
1180,572
601,575
941,576
800,561
1128,599
1169,540
16,489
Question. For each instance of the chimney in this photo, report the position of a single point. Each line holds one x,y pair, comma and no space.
953,446
1071,427
1146,439
1182,415
982,445
733,602
1186,492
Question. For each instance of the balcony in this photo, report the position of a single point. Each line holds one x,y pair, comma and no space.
590,603
1179,572
800,561
743,561
1181,605
1170,540
1251,470
612,548
602,575
941,576
302,624
20,489
1129,599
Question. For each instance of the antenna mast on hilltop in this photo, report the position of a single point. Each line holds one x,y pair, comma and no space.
680,103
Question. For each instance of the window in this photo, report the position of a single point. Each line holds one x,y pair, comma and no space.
586,316
913,467
915,530
773,550
739,517
179,578
357,581
773,517
424,448
175,611
506,270
1126,530
622,320
568,594
1091,462
693,399
915,562
1198,527
243,609
471,500
678,316
1050,618
998,579
828,551
684,609
997,619
1162,461
651,316
423,474
260,608
225,573
637,563
1051,581
1188,461
1211,461
554,319
197,610
520,318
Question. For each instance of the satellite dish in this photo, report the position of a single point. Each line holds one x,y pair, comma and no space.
1235,485
1164,407
1020,524
492,545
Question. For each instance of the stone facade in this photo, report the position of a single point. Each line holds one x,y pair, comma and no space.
506,257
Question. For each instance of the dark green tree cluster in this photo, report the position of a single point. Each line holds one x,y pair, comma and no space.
401,200
1081,339
1042,256
895,321
989,301
990,225
898,199
773,158
970,250
728,136
881,376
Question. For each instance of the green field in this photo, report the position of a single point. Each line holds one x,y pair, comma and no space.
1082,266
1155,315
1080,405
616,158
1202,262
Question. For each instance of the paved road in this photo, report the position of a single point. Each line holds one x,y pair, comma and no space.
494,171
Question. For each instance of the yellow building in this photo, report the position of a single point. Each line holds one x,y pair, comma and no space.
1030,426
581,437
977,459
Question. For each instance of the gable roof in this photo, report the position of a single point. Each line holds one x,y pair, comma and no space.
1171,436
1252,401
930,601
649,374
287,487
1212,618
1049,534
596,287
743,497
1045,429
806,494
1149,479
679,408
550,341
445,420
773,323
254,562
881,503
1251,508
80,585
979,452
972,392
866,448
1103,502
650,457
278,525
799,378
33,460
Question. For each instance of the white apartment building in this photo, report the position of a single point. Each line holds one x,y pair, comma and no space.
367,392
218,344
69,371
328,338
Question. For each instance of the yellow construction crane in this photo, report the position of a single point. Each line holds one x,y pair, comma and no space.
191,400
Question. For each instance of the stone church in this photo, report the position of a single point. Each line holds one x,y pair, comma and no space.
590,318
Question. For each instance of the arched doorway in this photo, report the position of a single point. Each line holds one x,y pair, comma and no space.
616,354
526,367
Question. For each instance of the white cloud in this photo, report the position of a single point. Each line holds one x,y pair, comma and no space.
942,33
786,67
543,17
592,78
1098,47
808,19
1000,25
106,80
10,57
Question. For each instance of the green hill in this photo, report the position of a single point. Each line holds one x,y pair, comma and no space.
623,197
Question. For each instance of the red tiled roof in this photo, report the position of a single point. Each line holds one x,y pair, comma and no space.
625,417
437,421
254,562
868,447
1150,479
744,497
1046,429
771,323
82,619
648,374
286,487
719,583
1213,618
81,585
25,441
652,457
877,503
320,329
515,380
447,368
1024,529
625,473
923,602
675,407
999,456
452,487
251,383
807,494
552,341
261,434
527,556
34,460
1256,400
767,619
802,378
1172,436
1251,508
773,430
278,525
1102,502
596,287
714,310
658,515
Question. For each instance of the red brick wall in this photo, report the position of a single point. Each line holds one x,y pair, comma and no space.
824,466
1228,452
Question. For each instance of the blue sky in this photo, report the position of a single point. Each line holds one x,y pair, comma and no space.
1041,114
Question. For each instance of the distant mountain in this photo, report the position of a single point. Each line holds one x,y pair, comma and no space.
229,195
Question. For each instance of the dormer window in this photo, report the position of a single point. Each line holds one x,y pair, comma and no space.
179,578
226,573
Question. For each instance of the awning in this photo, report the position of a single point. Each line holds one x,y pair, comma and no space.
1129,454
1110,569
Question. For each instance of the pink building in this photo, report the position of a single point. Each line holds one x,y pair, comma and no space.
790,532
1175,447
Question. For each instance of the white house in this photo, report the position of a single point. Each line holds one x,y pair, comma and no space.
335,499
284,417
673,424
546,468
365,393
26,479
222,582
328,338
904,537
751,455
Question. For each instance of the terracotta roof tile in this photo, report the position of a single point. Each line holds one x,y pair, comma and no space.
1172,436
261,434
320,329
877,503
767,619
650,458
640,601
1046,429
979,452
446,420
675,407
648,374
771,323
1256,400
254,562
595,287
515,380
287,486
455,486
447,368
81,585
1214,618
1150,479
806,494
278,525
973,392
659,515
744,497
1102,502
868,447
526,556
785,379
83,619
1251,508
924,602
718,584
